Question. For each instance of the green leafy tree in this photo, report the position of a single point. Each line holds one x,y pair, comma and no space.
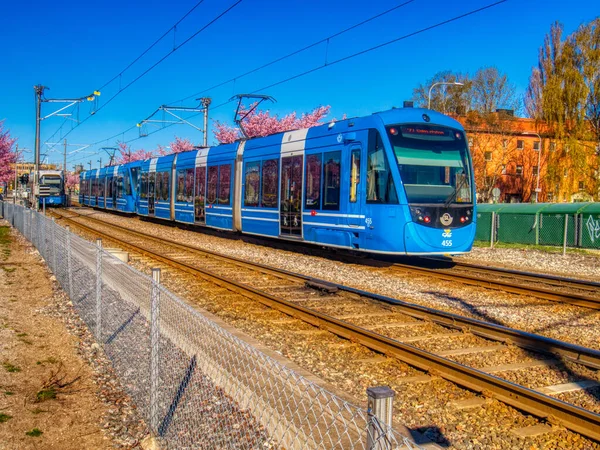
564,93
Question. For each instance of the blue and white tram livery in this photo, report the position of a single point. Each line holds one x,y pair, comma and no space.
52,183
396,182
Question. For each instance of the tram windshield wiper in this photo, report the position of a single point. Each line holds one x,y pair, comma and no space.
452,196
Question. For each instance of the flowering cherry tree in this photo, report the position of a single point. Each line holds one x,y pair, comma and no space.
72,181
262,123
180,145
126,155
7,155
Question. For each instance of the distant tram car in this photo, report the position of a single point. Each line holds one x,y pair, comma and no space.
52,188
396,182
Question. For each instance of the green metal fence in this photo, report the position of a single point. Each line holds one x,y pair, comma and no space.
575,225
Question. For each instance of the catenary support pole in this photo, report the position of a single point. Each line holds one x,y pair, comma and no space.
154,348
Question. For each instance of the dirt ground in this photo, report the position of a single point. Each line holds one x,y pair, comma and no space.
48,396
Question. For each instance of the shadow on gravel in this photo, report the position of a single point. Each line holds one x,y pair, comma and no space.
432,434
573,373
476,311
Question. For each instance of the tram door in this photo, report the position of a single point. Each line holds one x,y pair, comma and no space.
104,192
151,192
115,185
290,201
357,181
200,196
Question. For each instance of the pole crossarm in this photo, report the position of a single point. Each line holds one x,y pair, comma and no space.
201,108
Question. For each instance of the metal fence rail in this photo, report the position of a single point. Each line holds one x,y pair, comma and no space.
197,385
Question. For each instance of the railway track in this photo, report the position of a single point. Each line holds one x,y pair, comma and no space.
576,292
395,328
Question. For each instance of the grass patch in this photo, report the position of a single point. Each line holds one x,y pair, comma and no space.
4,417
9,393
51,360
36,432
38,411
5,241
542,248
46,394
9,269
21,334
10,368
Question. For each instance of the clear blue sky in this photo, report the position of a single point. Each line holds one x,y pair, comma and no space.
74,48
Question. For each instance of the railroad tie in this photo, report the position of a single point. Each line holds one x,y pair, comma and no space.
568,387
466,351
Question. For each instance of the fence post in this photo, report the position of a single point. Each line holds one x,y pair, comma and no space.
54,247
99,290
44,205
69,273
154,348
493,229
380,406
566,234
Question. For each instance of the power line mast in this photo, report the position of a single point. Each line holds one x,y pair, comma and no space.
39,99
161,123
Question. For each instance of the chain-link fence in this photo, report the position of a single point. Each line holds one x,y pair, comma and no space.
566,226
197,385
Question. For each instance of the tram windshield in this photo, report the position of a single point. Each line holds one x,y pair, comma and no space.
54,182
433,163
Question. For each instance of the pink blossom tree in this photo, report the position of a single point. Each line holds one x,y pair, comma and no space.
179,145
72,181
126,155
7,155
262,123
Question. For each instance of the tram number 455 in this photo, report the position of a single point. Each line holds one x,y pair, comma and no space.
447,243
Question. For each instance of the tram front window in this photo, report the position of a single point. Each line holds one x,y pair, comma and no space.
54,183
433,163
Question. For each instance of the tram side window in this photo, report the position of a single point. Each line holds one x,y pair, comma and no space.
189,185
270,183
224,184
164,186
144,185
354,174
252,183
119,186
134,178
181,185
213,176
126,183
200,188
331,181
313,182
380,184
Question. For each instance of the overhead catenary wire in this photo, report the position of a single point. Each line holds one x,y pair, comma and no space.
295,52
141,55
175,48
345,58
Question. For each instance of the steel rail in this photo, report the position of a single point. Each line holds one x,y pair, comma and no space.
581,355
537,291
556,280
570,416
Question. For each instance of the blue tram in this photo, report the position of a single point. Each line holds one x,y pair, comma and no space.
394,182
52,185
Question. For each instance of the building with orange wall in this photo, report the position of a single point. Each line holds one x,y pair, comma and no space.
521,158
